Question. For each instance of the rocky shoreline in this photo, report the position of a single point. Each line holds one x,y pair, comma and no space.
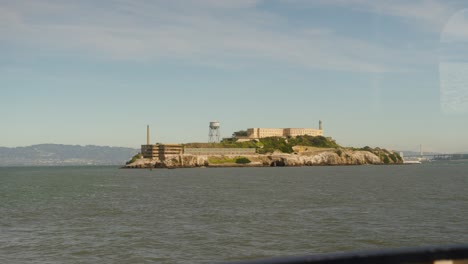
328,157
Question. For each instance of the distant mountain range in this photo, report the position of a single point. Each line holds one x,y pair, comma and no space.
59,155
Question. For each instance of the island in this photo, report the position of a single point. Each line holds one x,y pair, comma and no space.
265,151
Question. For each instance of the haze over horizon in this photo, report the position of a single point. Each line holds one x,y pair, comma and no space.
377,73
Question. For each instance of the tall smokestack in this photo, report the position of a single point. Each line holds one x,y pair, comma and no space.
147,135
320,125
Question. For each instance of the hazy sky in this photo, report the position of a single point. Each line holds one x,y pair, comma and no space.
378,73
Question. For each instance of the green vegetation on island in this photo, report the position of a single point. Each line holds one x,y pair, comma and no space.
242,160
289,145
286,145
271,144
223,160
240,133
385,155
134,158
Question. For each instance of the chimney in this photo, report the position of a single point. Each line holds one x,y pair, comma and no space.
147,135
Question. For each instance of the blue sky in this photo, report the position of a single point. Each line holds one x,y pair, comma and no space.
378,73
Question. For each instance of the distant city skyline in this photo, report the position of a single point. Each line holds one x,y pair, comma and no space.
377,73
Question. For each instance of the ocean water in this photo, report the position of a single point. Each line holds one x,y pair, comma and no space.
112,215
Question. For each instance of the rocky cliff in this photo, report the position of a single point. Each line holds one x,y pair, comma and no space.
325,157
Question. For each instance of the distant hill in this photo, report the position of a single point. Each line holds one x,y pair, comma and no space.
56,154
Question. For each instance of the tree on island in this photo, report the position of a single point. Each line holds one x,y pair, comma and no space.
240,133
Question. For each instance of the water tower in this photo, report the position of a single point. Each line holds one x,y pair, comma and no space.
214,134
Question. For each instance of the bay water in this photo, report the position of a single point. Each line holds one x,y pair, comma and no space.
205,215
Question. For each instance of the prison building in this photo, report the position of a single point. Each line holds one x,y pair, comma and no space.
161,151
282,132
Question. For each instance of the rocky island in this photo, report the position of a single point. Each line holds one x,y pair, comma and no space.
264,152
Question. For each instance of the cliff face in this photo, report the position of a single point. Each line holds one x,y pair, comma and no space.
324,158
328,157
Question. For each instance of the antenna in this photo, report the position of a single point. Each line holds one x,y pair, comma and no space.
214,133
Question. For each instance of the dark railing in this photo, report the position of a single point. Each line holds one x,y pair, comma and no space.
422,255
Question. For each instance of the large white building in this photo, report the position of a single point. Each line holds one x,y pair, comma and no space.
284,132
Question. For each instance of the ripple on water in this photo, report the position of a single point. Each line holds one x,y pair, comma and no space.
106,215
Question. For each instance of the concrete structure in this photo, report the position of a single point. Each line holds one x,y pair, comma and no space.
150,151
161,151
167,150
220,151
282,132
147,135
253,133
